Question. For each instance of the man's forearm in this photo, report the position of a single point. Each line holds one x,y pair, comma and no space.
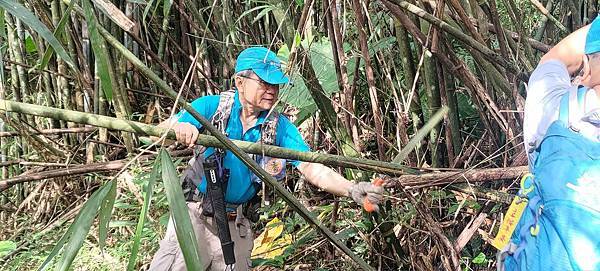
325,178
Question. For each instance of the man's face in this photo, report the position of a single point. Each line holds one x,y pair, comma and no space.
256,92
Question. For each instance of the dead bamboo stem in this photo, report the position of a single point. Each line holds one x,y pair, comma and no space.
52,131
444,178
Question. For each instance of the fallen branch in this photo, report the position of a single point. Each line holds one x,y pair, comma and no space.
52,131
30,163
481,192
466,235
76,170
444,178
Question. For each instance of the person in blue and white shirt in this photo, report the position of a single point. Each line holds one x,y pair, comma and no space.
560,226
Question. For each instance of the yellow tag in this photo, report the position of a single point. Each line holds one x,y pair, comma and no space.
512,217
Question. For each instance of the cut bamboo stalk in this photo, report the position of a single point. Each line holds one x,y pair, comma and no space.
115,14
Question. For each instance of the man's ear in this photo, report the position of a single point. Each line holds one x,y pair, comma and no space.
586,72
238,83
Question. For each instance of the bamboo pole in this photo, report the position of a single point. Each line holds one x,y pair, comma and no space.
341,61
3,170
457,33
432,92
205,140
408,71
362,38
324,104
539,33
553,19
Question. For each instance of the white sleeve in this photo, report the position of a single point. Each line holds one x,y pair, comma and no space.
547,84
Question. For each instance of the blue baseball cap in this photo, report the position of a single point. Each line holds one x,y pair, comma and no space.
264,63
592,40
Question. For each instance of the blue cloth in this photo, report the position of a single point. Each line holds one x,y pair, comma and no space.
564,204
592,40
240,188
264,63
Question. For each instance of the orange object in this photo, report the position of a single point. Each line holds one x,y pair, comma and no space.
378,181
370,207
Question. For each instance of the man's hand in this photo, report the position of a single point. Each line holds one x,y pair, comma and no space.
327,179
365,193
186,133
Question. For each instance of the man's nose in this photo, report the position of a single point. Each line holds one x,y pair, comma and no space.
272,89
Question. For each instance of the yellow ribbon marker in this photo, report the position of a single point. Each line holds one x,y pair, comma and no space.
512,216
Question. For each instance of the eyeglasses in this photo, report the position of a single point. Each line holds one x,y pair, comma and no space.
261,82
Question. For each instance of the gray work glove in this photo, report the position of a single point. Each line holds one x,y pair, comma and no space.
367,195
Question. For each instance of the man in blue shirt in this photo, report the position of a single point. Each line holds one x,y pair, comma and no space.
257,79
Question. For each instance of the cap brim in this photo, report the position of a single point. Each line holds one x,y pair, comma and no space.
271,75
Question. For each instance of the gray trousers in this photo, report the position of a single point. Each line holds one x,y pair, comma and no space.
170,257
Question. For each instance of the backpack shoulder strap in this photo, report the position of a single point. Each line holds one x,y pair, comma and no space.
221,116
269,128
581,93
563,113
572,105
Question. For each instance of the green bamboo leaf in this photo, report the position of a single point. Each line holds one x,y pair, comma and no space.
7,247
2,24
36,25
105,212
82,225
298,94
99,48
167,7
248,12
77,231
424,131
57,247
179,213
265,12
149,6
142,218
3,48
57,32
